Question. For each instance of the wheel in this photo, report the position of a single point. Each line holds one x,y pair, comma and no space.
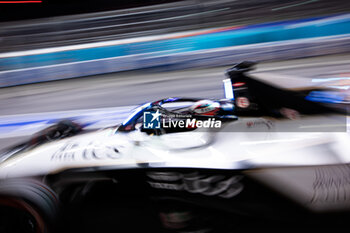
26,206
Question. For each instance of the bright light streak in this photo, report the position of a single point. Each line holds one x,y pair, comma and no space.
293,5
9,2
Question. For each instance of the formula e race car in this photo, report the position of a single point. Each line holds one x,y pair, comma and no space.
265,156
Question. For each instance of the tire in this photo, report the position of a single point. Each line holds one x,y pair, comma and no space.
26,206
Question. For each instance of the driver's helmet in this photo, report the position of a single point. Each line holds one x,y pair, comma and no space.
205,108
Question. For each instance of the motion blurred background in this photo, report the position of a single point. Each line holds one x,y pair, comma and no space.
96,60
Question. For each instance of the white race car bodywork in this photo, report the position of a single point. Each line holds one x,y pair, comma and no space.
259,145
254,145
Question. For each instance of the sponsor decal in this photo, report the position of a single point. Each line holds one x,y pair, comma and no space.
215,185
93,151
252,124
242,102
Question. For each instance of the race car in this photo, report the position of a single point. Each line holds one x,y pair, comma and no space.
264,156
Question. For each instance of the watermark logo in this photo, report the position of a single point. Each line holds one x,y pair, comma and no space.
151,120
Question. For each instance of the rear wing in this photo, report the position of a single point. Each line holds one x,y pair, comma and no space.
254,97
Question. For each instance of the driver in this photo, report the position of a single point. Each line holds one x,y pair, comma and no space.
205,108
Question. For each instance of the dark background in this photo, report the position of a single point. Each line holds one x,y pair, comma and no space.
49,8
9,12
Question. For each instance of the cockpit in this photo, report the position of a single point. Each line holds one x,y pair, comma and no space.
175,115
